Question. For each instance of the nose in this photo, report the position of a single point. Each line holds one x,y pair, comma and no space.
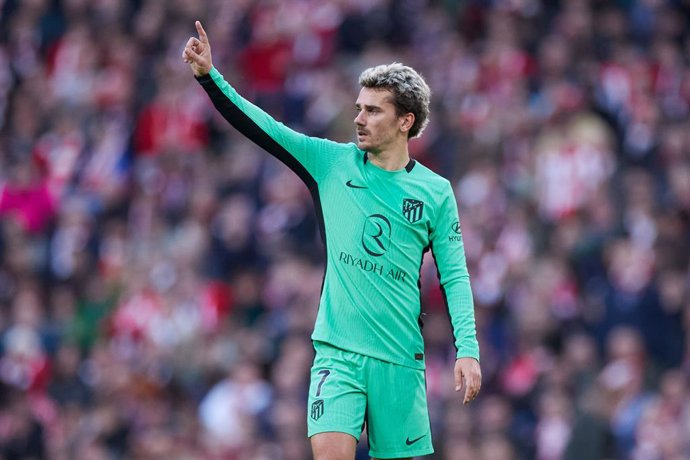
359,119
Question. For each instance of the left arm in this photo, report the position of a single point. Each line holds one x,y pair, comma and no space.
449,253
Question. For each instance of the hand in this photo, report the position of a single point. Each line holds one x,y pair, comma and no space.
197,52
468,372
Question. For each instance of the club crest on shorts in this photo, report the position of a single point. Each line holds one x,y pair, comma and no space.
317,409
412,209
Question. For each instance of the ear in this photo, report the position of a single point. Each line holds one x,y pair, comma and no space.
407,121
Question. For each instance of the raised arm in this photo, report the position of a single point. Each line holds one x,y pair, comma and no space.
309,157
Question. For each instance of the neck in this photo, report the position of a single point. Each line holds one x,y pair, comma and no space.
390,160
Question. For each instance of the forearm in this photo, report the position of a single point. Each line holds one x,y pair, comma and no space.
247,118
460,304
275,138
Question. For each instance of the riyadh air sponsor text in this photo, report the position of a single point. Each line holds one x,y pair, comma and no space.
372,267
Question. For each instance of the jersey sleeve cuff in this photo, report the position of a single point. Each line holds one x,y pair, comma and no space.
209,77
465,353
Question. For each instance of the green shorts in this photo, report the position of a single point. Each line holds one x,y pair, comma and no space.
349,391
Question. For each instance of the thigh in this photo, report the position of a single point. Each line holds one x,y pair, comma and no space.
397,415
337,398
333,446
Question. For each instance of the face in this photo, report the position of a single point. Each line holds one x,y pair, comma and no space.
378,126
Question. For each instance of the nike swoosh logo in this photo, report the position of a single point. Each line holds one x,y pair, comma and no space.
410,442
351,185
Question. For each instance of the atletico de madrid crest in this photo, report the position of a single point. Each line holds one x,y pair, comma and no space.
317,409
412,209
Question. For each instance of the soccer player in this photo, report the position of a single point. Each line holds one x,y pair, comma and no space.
379,212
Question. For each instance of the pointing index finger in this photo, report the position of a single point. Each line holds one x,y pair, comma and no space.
202,33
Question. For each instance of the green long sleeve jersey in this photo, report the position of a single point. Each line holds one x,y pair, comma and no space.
376,225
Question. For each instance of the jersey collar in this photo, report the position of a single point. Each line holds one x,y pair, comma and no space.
408,167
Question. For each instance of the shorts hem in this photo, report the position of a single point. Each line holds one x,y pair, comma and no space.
316,431
402,454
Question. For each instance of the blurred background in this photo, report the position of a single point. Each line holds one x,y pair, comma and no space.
159,274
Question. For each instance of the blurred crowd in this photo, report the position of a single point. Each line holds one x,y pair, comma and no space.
159,274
